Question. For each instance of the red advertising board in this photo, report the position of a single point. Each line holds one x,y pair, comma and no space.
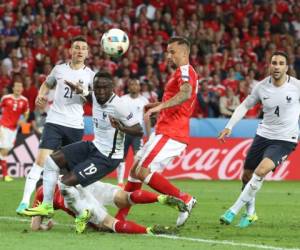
204,158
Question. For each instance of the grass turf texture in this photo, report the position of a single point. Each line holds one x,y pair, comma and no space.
278,208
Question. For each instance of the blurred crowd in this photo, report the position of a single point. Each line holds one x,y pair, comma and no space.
231,43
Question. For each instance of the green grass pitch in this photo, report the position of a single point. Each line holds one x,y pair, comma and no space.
278,209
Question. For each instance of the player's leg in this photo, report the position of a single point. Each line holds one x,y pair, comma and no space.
121,168
274,154
3,164
7,140
253,159
51,140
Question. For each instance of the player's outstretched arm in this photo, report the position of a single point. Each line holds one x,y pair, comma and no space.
183,95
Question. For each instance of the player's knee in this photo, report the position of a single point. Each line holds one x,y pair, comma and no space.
70,179
247,175
59,158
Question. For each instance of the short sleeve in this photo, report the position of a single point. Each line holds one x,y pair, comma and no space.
124,115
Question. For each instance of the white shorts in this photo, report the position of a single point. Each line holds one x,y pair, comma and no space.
158,152
7,137
93,197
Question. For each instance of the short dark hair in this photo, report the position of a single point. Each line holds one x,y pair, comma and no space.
104,74
78,39
180,40
281,53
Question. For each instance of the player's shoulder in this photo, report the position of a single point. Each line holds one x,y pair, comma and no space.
6,97
24,98
293,80
88,70
143,99
125,97
264,82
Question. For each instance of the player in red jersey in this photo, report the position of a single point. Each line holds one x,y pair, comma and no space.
12,106
172,129
88,205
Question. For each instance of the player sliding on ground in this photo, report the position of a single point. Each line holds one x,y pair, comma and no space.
276,136
88,205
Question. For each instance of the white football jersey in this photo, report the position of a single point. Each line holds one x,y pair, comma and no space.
108,140
66,109
136,106
281,107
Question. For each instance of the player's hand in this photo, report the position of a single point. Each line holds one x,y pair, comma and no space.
76,87
151,111
115,123
224,133
41,101
150,105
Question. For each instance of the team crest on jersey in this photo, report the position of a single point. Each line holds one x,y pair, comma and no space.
288,99
104,115
80,82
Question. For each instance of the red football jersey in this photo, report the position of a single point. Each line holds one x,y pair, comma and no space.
174,121
12,109
58,200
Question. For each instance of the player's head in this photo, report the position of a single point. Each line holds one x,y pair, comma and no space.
17,88
103,86
79,50
278,65
134,86
178,51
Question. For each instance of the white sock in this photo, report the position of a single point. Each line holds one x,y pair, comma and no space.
248,193
31,180
250,207
131,179
121,172
50,177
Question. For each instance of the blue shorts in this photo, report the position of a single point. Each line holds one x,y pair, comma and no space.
134,141
88,164
56,136
275,150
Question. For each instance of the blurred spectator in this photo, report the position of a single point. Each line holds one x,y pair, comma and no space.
228,103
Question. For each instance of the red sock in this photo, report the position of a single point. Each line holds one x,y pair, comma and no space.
4,167
162,185
129,187
142,197
129,227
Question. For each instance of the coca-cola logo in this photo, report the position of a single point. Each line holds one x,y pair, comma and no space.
217,162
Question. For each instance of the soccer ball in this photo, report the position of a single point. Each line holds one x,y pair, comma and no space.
115,42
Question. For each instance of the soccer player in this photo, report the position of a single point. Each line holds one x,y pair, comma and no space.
12,106
88,205
87,162
276,136
64,121
172,129
136,103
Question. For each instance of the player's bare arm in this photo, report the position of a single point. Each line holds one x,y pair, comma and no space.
41,99
135,130
78,89
183,95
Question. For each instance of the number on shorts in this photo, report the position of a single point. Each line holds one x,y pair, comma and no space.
91,169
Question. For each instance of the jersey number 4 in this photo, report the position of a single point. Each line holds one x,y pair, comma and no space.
276,112
68,93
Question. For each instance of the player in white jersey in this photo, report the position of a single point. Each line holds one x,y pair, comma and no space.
64,122
136,103
87,162
276,136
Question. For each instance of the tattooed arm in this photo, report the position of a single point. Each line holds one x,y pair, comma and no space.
184,94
